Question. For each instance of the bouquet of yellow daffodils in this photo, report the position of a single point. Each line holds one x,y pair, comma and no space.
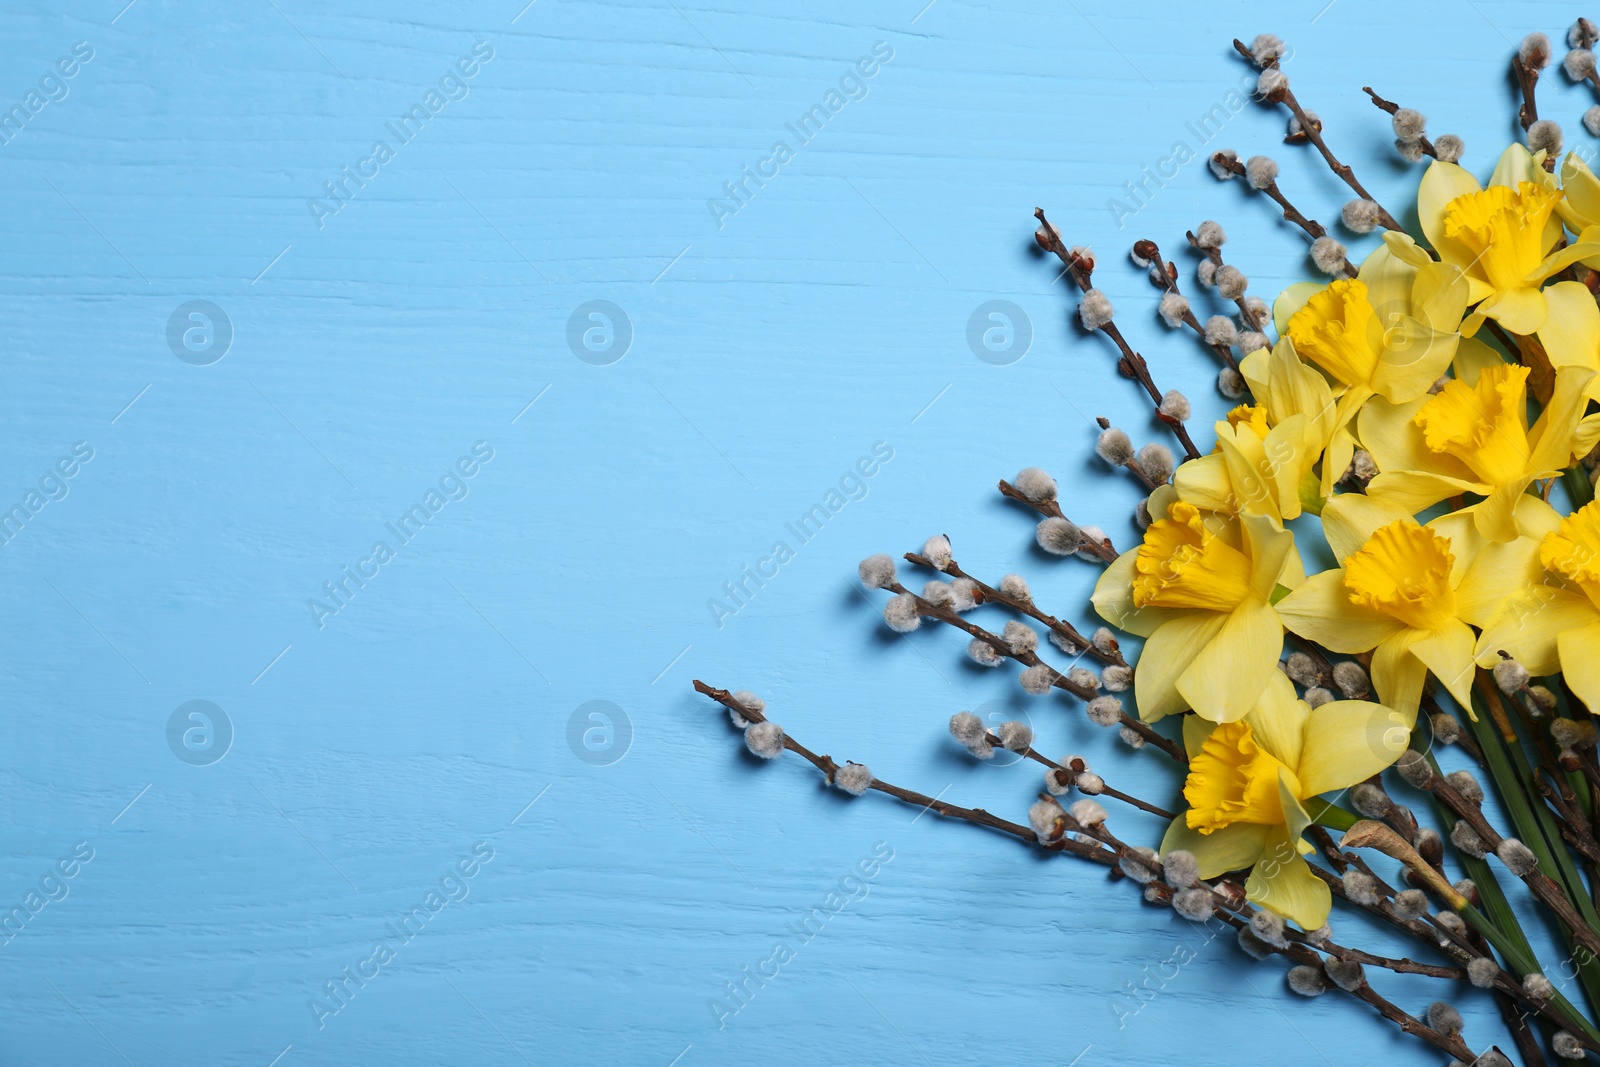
1431,416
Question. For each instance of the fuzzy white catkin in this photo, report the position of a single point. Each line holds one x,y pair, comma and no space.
1409,123
1346,974
1258,309
963,594
751,701
853,778
1174,405
1053,783
1059,537
1252,945
1104,711
1020,637
1543,697
1206,273
1466,785
1272,80
1410,151
1114,447
1196,905
1230,383
1221,164
1538,986
1449,148
1266,47
1591,121
1174,308
1303,670
1268,926
1545,135
967,727
1518,858
1371,801
940,594
1117,678
1260,171
1250,341
1482,972
1361,888
1015,587
1131,737
1360,216
1579,64
1351,679
1535,50
1157,462
1582,34
901,613
1094,310
1083,678
1307,981
1221,330
1091,784
1104,639
1231,282
1088,812
1411,903
1036,680
983,654
1140,864
1567,1046
765,739
1414,769
1016,736
1328,255
1182,869
1468,841
877,572
1510,676
1035,484
1444,1018
937,550
1313,120
1209,235
1045,816
1317,696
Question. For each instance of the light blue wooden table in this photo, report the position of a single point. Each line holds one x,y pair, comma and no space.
383,840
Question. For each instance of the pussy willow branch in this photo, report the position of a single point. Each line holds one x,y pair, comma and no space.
1064,629
1391,107
1132,364
1069,776
1527,79
1311,226
1249,317
1103,549
1164,276
1031,659
1314,135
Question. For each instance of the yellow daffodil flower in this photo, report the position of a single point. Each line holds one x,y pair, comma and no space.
1266,453
1249,781
1473,437
1403,595
1389,331
1552,622
1503,238
1580,205
1200,590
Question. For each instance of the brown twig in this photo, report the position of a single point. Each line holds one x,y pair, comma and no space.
1312,227
1164,276
1103,549
1391,107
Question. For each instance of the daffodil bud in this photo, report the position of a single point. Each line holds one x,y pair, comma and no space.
1035,484
1307,981
853,778
765,739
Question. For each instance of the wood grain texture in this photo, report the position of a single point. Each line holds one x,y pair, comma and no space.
372,752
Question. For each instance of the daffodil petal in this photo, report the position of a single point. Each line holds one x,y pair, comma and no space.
1521,310
1397,675
1350,518
1320,610
1282,881
1529,624
1442,183
1580,666
1232,848
1348,741
1113,600
1448,653
1278,721
1167,655
1226,678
